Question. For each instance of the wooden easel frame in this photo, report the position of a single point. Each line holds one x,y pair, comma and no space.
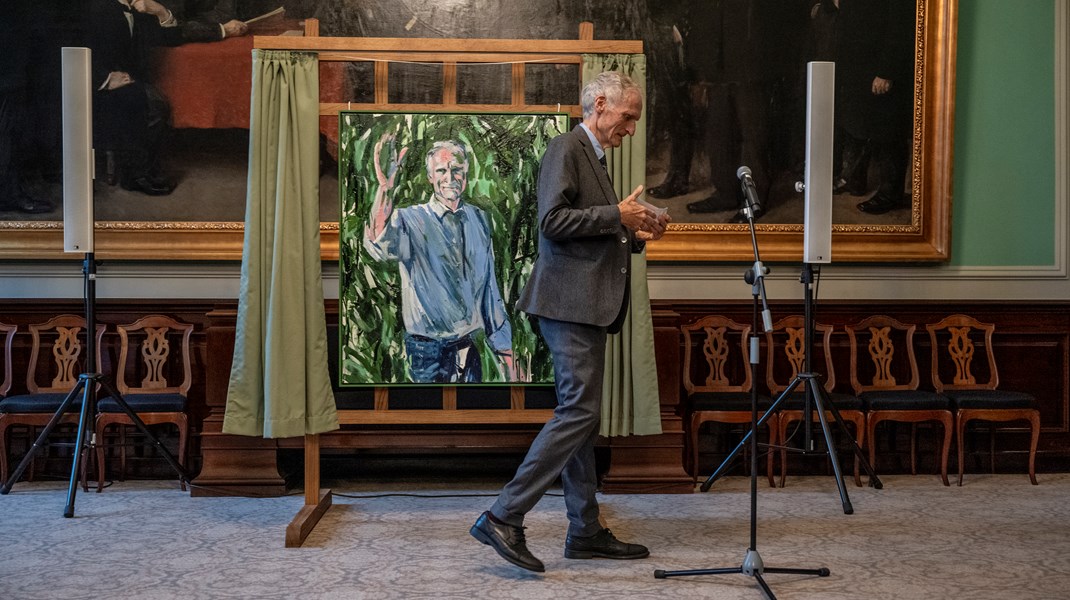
383,51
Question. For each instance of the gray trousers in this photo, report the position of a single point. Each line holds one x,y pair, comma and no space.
565,446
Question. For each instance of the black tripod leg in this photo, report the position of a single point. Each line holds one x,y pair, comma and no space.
820,401
859,454
41,439
660,574
88,409
717,474
182,475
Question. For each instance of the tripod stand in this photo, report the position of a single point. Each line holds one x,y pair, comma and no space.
815,400
87,386
752,565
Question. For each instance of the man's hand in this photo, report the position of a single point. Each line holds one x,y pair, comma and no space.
151,7
386,178
655,232
635,216
234,27
118,79
383,204
881,86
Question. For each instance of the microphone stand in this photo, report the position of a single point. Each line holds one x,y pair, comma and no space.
752,565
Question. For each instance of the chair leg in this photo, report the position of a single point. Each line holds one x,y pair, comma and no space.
913,448
100,427
992,448
871,431
3,451
693,435
860,433
1034,428
183,434
773,425
122,452
949,425
783,436
960,431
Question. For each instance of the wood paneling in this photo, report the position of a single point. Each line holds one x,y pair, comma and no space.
1032,346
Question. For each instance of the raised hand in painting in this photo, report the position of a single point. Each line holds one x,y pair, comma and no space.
383,205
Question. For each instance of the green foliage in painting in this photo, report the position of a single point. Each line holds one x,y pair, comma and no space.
504,155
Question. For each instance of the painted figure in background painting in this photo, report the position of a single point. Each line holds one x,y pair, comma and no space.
443,249
729,56
18,132
870,42
579,291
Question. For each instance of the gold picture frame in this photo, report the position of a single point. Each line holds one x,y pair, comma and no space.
925,238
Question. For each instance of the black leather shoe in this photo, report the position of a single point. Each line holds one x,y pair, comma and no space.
878,205
28,204
507,540
149,185
670,188
843,187
714,203
602,545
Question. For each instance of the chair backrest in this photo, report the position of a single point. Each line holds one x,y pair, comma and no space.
160,365
955,342
60,335
8,333
889,345
786,353
725,361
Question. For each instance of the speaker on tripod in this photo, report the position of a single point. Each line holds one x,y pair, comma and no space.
817,242
78,163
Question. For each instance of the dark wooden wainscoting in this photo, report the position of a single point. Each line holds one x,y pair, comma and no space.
1032,339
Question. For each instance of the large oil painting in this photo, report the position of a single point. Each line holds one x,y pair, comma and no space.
725,88
438,234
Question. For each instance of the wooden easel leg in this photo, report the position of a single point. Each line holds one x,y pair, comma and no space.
316,501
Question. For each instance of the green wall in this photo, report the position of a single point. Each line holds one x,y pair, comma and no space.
1004,179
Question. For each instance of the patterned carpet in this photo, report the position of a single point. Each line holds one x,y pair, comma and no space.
996,537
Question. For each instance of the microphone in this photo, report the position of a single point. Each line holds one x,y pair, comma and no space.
747,183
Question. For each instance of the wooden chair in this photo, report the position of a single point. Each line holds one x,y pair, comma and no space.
156,399
786,347
719,383
888,384
956,341
8,333
48,382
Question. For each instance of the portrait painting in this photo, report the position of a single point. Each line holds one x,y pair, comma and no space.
726,88
438,234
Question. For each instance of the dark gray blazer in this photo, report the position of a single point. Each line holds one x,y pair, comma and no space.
581,274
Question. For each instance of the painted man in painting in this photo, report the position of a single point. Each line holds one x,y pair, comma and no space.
449,292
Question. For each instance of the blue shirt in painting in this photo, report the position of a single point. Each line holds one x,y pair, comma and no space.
448,286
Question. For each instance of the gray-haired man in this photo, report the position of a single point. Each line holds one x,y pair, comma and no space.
579,292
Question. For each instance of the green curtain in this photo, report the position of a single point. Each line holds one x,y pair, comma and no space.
279,385
630,401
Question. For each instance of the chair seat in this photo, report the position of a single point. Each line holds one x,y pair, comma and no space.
991,399
796,401
726,401
145,403
38,403
905,400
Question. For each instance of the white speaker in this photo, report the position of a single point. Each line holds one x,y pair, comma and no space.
78,159
817,219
